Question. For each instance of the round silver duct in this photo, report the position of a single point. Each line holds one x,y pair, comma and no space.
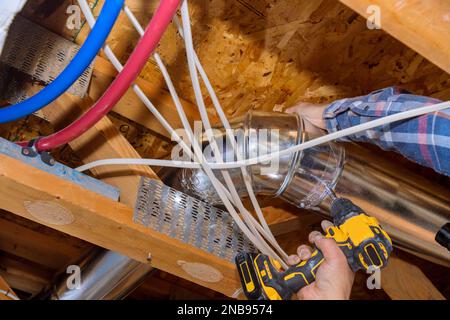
104,275
301,178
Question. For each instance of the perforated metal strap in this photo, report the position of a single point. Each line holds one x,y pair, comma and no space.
188,219
41,54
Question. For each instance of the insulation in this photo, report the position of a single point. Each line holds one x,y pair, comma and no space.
8,10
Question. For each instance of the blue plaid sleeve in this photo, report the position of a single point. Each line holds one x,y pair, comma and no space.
424,139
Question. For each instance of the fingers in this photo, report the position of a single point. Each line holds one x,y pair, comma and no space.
293,260
304,252
328,246
315,236
293,109
299,107
326,224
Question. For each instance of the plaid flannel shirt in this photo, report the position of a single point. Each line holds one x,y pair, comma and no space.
424,139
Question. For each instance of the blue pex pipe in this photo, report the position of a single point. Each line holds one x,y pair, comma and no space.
88,51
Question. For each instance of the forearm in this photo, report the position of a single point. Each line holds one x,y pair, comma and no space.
425,139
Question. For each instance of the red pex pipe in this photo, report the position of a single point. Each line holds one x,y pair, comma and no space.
159,23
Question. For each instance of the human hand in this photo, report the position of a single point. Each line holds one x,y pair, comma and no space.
312,113
334,278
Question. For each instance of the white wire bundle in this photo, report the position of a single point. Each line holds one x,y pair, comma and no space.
250,228
9,294
258,233
302,146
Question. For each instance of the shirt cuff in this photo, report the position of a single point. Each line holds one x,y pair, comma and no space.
336,115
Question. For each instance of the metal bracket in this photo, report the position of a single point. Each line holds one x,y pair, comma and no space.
31,151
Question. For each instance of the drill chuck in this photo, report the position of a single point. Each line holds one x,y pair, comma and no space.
443,236
342,209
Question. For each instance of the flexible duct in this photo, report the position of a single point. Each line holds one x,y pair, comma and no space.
410,213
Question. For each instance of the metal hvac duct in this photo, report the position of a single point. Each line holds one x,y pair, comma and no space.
409,208
105,275
411,212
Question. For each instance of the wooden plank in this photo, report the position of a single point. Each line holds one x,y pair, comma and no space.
67,207
281,221
24,275
34,246
402,280
131,107
424,26
5,290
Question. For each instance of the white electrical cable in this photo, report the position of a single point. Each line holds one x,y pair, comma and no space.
185,123
193,63
234,198
302,146
221,190
247,179
9,294
261,245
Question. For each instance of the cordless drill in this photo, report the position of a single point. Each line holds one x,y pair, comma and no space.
359,236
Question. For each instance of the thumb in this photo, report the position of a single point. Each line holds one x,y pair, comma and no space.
329,248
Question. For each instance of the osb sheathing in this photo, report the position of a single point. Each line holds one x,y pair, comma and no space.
268,55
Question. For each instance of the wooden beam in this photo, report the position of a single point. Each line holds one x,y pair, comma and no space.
131,107
30,193
51,250
5,290
24,275
424,26
402,280
281,221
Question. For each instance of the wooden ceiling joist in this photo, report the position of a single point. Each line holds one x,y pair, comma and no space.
103,141
424,26
131,107
402,280
99,220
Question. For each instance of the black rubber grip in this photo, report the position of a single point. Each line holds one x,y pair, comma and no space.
299,276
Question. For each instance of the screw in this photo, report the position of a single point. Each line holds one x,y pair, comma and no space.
25,152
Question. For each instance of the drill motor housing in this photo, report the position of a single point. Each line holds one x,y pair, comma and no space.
360,237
